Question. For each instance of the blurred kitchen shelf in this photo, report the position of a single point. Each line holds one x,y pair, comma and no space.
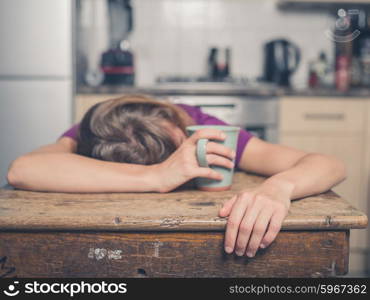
321,4
262,91
184,89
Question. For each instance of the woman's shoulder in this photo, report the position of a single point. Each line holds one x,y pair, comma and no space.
72,132
193,111
190,109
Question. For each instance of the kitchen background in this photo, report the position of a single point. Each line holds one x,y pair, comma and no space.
181,32
174,36
293,72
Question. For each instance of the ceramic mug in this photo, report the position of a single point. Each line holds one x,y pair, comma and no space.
230,141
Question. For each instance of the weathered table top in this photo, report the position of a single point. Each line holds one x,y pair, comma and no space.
176,211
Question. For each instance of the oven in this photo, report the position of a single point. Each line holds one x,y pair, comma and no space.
257,114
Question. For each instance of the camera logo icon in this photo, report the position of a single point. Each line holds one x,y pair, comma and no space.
12,290
342,32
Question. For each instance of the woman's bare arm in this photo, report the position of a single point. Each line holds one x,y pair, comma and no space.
309,173
256,215
57,168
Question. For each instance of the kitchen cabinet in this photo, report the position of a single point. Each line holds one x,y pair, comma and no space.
367,179
336,127
352,189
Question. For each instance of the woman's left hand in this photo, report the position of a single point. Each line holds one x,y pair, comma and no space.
256,216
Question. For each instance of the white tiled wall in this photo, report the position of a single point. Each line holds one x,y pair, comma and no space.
173,36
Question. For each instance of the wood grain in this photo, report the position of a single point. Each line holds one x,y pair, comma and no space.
169,254
181,210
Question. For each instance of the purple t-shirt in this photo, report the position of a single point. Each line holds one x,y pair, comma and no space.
200,118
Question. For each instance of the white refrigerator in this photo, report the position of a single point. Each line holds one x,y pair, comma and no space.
36,75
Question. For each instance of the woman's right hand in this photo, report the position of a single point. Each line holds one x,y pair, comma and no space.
183,166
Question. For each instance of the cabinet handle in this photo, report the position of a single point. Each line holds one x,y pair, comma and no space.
324,116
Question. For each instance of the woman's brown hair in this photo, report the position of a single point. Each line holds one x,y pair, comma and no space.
130,129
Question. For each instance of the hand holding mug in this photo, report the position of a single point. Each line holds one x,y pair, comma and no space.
210,184
183,165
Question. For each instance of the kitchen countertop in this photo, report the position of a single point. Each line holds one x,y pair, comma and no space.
223,90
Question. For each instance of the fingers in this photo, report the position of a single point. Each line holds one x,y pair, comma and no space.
226,208
254,222
207,173
216,148
207,133
246,227
234,220
221,161
273,229
259,229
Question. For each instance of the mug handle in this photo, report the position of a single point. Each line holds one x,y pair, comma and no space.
202,153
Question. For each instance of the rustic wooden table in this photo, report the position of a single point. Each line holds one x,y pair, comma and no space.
164,235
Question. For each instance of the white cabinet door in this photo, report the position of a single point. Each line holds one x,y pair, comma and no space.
32,113
35,38
336,127
349,149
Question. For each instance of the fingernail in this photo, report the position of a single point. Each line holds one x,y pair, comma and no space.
262,246
228,250
223,135
233,154
250,254
238,253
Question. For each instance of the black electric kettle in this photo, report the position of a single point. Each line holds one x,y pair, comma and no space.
281,61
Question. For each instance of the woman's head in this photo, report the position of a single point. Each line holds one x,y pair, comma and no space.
132,129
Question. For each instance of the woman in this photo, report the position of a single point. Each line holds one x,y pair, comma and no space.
137,144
